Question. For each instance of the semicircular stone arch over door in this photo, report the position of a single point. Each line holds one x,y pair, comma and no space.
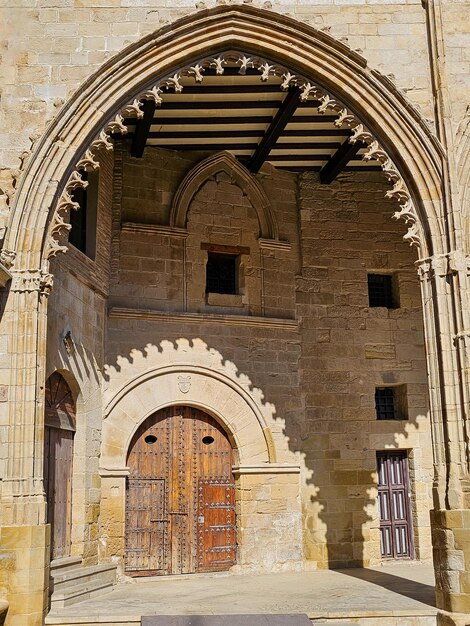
180,496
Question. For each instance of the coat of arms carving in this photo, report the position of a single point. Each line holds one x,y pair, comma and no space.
184,383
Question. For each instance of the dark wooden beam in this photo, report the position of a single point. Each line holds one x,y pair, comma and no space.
275,129
240,120
308,158
213,105
290,148
177,135
338,161
230,89
142,129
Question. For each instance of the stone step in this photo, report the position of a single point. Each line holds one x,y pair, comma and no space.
81,583
80,575
134,620
98,620
297,619
64,564
127,620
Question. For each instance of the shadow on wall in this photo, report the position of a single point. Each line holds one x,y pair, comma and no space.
340,518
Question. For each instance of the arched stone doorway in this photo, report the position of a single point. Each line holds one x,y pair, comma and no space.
59,433
217,400
180,496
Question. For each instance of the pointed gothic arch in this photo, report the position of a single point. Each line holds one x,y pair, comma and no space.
206,169
408,143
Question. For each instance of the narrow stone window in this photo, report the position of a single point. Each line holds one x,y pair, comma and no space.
222,273
83,220
382,291
391,403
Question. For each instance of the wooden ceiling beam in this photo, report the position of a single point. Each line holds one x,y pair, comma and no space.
162,120
338,161
142,129
275,129
182,135
290,147
229,89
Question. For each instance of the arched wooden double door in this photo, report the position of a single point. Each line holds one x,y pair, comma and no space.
180,500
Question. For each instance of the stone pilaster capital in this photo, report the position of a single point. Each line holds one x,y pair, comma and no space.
27,281
457,261
7,258
425,269
442,264
463,337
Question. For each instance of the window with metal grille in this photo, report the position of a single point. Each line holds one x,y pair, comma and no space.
391,403
222,273
381,291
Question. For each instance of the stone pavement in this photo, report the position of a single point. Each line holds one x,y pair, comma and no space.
396,594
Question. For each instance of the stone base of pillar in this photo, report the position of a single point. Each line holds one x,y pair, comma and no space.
24,573
452,619
451,553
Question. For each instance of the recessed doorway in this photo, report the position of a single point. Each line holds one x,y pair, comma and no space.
180,496
396,530
59,433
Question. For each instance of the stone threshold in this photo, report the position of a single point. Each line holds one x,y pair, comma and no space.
361,618
197,318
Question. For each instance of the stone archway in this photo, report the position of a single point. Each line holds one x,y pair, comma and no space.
243,421
405,136
410,152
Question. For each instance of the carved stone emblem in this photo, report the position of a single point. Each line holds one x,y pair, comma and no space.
3,393
184,383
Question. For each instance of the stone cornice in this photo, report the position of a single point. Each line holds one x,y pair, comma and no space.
197,318
154,229
274,244
266,468
114,472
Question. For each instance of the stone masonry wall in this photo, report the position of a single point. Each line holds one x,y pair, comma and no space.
347,350
78,304
320,383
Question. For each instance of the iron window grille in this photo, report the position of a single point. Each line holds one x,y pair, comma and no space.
391,403
381,291
222,273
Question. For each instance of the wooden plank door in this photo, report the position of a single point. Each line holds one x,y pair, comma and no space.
187,523
147,499
396,532
58,452
59,433
216,547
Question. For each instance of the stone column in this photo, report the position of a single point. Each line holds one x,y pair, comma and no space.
24,534
444,291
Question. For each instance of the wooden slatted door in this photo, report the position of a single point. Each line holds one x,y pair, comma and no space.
58,459
180,502
396,532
